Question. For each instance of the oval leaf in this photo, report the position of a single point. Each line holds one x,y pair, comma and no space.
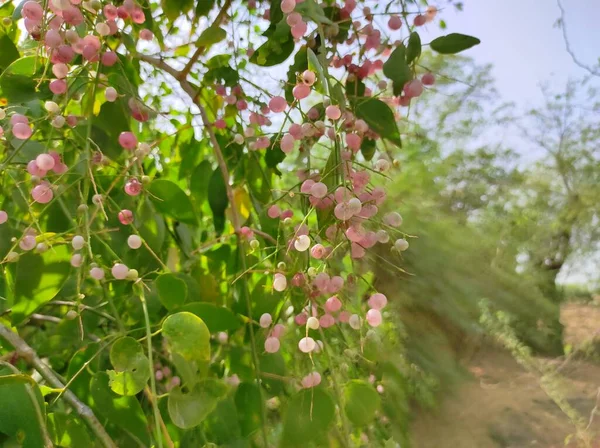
413,50
396,68
211,36
362,402
188,336
217,199
217,318
172,291
380,118
309,415
189,409
131,367
170,200
453,43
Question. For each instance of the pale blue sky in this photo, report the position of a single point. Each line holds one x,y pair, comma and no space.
520,40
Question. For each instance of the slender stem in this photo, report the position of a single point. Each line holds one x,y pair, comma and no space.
29,355
157,416
163,427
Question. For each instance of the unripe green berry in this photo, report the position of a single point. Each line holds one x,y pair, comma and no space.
254,244
71,314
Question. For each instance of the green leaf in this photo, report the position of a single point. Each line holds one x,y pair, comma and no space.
222,425
176,8
8,51
274,364
170,200
210,36
38,278
277,48
453,43
315,66
203,7
188,336
67,431
199,181
217,199
362,402
413,51
122,411
172,291
309,415
22,413
189,409
367,148
26,150
18,82
217,318
396,69
248,404
131,367
380,118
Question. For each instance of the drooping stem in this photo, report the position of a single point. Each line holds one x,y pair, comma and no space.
29,355
156,411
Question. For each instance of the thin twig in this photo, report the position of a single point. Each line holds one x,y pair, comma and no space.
28,354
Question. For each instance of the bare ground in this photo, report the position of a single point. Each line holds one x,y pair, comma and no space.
503,406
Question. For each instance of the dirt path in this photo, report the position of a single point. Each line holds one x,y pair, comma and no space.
505,407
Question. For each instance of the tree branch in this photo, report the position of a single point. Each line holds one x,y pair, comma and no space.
29,355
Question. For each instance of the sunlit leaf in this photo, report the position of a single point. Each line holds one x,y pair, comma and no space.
131,367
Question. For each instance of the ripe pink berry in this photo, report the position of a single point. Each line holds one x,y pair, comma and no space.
133,187
111,94
137,15
128,140
274,211
309,77
42,193
287,143
299,29
301,91
353,141
53,39
307,345
317,251
377,301
333,112
313,379
120,271
45,162
333,304
420,20
413,88
279,282
428,79
374,317
318,190
126,217
326,321
109,58
58,86
278,331
395,22
3,217
288,6
28,242
22,131
97,273
18,118
277,104
34,169
33,11
76,260
272,345
293,18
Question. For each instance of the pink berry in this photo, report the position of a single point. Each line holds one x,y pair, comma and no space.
128,140
288,6
33,11
313,379
28,242
326,321
18,118
279,282
45,162
317,251
146,34
22,131
333,112
133,187
293,18
428,79
301,319
299,29
111,94
278,331
307,345
374,317
413,88
301,91
309,77
58,86
272,345
353,141
3,217
42,193
274,211
318,190
134,242
120,271
109,58
53,38
126,217
377,301
333,304
137,15
395,22
97,273
76,260
265,320
420,20
277,104
34,169
287,143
